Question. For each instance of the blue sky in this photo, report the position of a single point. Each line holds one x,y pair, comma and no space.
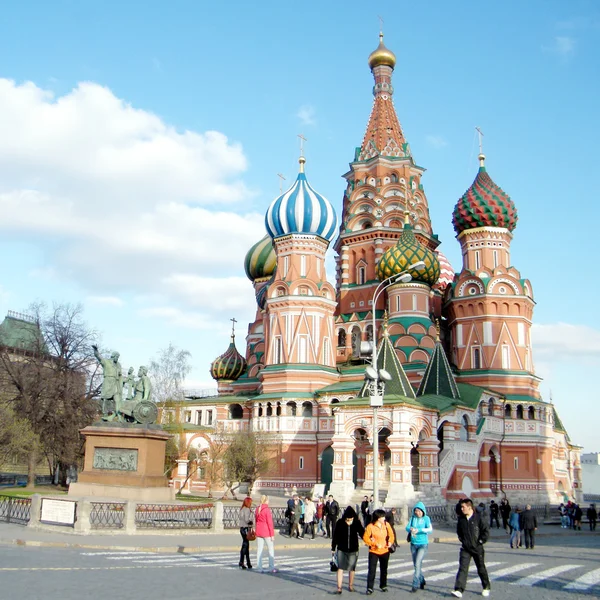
140,144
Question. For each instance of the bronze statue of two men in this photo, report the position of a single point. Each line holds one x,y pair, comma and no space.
120,396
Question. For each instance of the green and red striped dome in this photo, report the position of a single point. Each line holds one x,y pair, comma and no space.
230,365
484,204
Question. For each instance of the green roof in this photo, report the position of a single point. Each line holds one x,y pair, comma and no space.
438,378
558,425
21,333
342,386
282,395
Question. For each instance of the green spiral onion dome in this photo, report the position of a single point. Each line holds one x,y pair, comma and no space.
484,204
406,252
261,260
229,365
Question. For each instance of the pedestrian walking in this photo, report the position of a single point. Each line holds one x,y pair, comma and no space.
332,510
564,517
309,517
379,536
529,525
289,513
514,522
345,542
246,520
473,532
419,527
505,513
265,534
577,516
494,511
364,511
592,515
320,516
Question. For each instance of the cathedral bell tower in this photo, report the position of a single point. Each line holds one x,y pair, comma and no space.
490,305
383,183
300,302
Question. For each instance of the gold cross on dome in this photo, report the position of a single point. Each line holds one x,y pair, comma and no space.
480,134
302,140
233,322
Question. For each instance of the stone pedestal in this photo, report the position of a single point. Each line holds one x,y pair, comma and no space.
124,462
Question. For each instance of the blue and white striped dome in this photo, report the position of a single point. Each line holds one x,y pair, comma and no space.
301,210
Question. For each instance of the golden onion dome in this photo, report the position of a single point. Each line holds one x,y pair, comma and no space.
382,56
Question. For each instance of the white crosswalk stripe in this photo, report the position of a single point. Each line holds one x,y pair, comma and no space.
547,574
585,582
319,567
504,572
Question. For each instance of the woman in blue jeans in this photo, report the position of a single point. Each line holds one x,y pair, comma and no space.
419,527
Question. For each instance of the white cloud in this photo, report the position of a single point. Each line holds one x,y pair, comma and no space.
436,141
563,46
105,300
120,200
307,114
562,341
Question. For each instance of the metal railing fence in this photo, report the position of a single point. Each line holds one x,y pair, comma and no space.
107,515
15,510
173,516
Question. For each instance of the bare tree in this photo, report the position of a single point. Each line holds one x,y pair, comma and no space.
168,372
49,377
249,456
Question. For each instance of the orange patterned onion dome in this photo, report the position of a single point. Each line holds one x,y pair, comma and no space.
446,272
406,252
484,204
261,260
382,56
230,365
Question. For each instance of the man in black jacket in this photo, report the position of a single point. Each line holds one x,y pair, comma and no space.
473,532
528,522
332,510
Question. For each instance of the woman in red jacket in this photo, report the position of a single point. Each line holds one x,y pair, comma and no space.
265,534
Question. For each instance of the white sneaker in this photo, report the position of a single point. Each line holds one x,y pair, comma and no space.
456,593
485,593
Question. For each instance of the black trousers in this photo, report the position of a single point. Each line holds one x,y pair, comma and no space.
245,549
529,538
494,518
309,527
383,560
592,524
330,525
463,568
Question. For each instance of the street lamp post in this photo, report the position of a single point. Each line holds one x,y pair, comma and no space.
377,378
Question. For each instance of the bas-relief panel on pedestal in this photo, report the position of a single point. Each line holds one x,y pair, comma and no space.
115,459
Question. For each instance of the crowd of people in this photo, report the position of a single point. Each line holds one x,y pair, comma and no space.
376,528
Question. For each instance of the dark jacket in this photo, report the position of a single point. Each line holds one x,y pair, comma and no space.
347,538
528,520
494,510
332,509
505,510
592,513
473,532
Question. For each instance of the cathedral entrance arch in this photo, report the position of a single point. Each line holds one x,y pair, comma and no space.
414,463
385,455
327,467
494,469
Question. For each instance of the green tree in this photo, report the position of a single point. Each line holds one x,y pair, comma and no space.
16,435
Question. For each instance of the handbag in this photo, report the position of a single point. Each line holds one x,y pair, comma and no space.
251,535
392,548
333,565
409,536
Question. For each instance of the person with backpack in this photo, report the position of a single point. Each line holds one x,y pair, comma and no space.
332,510
473,532
379,536
419,528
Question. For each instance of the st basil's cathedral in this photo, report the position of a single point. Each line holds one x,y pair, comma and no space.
462,413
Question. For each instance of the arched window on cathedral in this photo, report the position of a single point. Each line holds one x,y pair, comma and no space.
332,404
342,338
260,410
361,275
291,409
269,409
491,407
369,333
519,412
278,409
464,431
508,411
307,409
531,413
356,335
394,178
236,411
476,358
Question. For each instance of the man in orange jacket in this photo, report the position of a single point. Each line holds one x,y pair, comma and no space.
379,536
